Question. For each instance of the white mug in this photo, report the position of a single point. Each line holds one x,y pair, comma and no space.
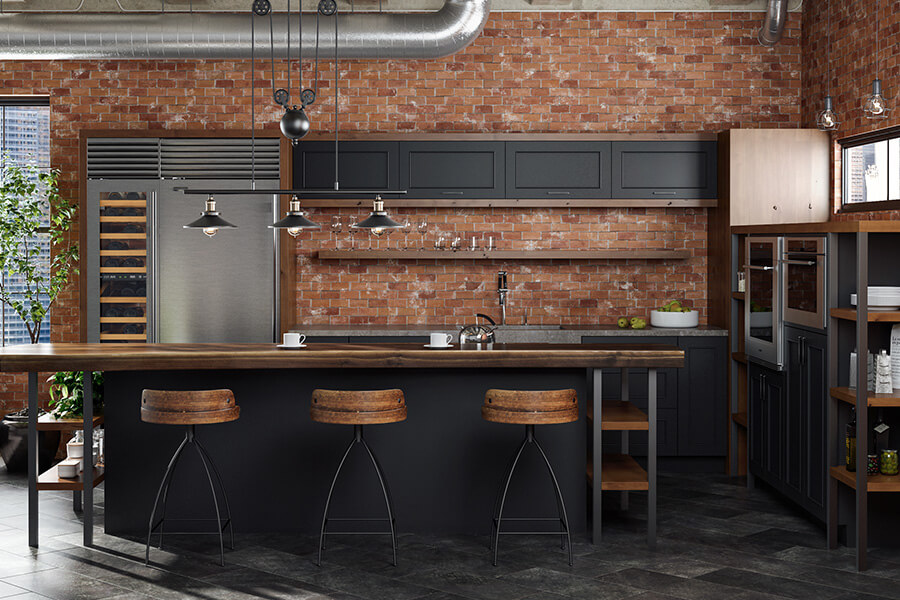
294,339
440,339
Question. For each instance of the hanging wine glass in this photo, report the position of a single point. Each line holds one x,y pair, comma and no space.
407,227
351,228
422,228
336,226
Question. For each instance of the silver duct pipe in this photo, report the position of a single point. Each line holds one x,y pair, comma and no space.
773,25
46,36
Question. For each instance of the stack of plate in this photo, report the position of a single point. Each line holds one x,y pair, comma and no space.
881,298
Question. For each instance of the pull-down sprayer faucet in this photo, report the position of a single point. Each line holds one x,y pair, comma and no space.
502,292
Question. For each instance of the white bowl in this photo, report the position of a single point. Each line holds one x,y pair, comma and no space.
880,301
659,318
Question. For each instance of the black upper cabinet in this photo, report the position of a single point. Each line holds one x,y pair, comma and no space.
452,169
664,169
362,166
558,170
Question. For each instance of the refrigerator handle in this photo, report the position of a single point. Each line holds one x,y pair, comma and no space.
153,309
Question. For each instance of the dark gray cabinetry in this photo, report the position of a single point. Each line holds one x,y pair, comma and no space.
558,170
702,422
767,430
452,169
362,166
664,169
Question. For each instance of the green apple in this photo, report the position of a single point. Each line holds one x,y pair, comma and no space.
622,322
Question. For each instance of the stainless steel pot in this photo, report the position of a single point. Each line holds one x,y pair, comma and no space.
478,333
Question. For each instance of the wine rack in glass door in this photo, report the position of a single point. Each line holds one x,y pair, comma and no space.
123,221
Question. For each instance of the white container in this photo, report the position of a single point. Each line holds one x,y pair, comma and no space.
69,468
75,449
659,318
883,384
895,355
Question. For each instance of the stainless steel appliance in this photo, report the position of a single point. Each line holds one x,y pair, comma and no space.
763,319
803,269
478,333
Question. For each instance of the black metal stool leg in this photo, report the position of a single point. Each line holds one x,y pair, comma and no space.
221,488
559,499
387,487
212,488
162,485
328,499
499,517
387,496
506,471
165,496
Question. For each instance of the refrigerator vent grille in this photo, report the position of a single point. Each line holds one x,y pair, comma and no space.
218,158
123,158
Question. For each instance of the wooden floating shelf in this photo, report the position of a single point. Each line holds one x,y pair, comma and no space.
366,203
504,254
140,252
848,395
619,415
117,219
124,203
738,295
874,316
124,336
123,236
740,418
874,483
123,319
740,357
50,480
49,423
620,472
123,269
123,300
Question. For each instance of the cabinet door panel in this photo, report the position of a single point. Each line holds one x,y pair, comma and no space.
814,410
756,400
558,170
794,408
702,397
664,169
362,166
452,169
774,423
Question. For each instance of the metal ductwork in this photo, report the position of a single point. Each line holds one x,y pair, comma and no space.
47,36
773,25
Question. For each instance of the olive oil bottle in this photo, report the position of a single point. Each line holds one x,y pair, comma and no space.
850,441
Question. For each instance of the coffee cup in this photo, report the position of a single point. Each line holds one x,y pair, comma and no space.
438,340
294,339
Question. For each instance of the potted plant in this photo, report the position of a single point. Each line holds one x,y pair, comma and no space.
67,393
32,212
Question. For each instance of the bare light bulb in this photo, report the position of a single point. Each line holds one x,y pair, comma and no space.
378,231
294,231
876,106
827,119
210,231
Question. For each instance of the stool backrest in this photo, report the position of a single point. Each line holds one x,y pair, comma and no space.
531,400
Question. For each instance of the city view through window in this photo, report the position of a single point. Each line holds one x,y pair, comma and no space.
24,139
872,172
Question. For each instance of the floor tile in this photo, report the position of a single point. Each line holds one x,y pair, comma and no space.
569,585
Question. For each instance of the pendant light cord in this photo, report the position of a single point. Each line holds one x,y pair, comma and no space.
289,47
877,37
828,48
337,75
252,101
316,89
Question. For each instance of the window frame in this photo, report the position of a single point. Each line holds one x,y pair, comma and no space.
847,143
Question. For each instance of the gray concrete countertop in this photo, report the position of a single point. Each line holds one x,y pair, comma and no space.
567,334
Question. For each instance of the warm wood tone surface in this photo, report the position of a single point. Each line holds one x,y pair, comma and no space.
160,357
358,407
401,202
619,415
195,407
849,314
847,395
740,357
826,227
50,480
48,422
874,483
620,472
504,254
740,418
530,407
509,137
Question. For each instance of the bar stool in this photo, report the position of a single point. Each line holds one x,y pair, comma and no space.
359,408
190,408
529,408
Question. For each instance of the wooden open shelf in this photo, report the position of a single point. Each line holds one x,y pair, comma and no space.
391,203
874,316
740,418
123,269
124,203
134,337
117,219
123,319
619,415
848,395
738,295
874,483
123,236
50,480
139,252
49,423
123,300
504,254
740,357
620,473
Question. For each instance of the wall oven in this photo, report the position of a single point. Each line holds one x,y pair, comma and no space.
803,268
763,321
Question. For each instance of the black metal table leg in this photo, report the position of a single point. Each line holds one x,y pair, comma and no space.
33,458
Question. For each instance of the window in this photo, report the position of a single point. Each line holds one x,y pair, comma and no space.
24,139
871,172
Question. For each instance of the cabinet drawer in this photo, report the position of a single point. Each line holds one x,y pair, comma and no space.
448,170
558,170
664,170
362,166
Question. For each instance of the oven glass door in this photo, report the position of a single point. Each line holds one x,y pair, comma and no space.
804,281
762,306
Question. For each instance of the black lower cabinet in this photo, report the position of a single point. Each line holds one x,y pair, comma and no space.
766,418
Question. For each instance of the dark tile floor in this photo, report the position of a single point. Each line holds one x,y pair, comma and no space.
718,540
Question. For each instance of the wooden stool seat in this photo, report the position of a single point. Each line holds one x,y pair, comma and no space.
524,407
196,407
358,407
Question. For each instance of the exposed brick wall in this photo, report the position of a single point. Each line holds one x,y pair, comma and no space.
851,71
528,72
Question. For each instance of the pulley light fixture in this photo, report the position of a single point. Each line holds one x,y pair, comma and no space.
875,105
210,221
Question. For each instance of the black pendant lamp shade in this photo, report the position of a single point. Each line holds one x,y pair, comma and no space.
210,221
378,219
295,220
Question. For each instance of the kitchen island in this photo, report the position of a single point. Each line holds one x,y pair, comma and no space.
444,462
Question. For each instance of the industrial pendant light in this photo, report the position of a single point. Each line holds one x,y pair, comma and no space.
210,221
827,119
875,106
378,220
295,221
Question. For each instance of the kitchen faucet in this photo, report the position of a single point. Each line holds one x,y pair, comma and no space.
503,292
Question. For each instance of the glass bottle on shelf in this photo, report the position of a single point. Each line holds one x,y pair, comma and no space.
850,441
879,433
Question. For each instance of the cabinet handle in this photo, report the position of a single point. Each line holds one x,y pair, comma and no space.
805,263
802,350
559,193
663,193
759,268
452,193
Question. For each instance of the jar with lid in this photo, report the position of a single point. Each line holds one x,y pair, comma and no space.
889,462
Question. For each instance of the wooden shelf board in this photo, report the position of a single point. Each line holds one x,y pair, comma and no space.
140,252
874,316
123,300
50,480
738,295
117,219
621,473
123,236
740,357
123,269
124,203
504,254
123,319
848,395
619,415
740,418
123,336
49,423
874,483
514,203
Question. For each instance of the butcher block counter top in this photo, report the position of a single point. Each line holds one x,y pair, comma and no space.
165,357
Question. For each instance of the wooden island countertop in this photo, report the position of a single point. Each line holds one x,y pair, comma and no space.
165,357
